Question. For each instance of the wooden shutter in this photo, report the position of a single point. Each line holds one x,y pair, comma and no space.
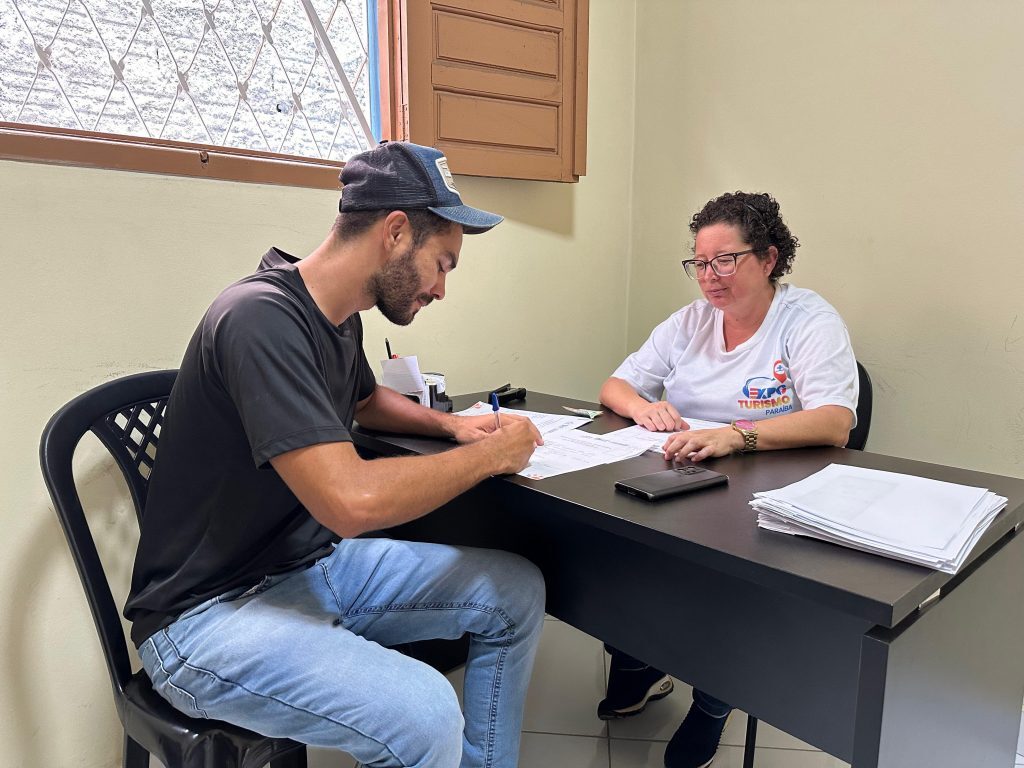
499,86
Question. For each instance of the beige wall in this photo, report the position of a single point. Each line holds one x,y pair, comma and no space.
107,273
892,133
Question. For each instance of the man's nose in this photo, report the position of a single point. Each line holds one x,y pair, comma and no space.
438,290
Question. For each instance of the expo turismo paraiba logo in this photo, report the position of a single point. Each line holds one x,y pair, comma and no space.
769,394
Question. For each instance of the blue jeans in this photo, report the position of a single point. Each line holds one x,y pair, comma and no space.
302,654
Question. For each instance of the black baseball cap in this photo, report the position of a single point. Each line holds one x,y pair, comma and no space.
400,175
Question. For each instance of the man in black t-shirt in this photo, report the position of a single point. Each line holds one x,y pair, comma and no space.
251,600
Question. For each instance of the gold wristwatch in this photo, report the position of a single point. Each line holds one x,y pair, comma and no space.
748,429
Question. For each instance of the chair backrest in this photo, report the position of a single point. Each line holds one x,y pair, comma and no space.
859,434
125,414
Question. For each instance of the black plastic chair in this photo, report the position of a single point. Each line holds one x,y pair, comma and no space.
125,414
859,434
858,439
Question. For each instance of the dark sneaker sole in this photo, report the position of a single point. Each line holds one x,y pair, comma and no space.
659,690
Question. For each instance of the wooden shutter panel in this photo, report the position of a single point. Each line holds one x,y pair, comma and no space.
499,86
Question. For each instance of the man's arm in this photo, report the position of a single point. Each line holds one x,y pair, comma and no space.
351,496
387,411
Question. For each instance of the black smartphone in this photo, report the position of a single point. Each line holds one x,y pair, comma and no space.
671,482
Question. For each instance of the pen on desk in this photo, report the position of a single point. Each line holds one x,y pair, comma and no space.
494,407
387,345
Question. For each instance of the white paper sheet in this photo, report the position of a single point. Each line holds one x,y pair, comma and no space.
546,423
571,451
402,374
652,441
565,449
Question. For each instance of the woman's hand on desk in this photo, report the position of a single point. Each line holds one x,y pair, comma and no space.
700,444
659,416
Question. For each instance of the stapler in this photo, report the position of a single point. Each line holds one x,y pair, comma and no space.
509,394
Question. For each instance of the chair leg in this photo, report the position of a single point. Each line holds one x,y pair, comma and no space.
135,756
296,759
751,742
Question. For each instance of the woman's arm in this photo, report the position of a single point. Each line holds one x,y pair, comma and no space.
659,416
826,425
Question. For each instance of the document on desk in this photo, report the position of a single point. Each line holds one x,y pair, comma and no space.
565,448
928,522
546,423
570,450
646,440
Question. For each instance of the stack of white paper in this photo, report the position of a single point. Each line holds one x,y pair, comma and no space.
928,522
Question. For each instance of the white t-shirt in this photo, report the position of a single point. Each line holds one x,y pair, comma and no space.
800,358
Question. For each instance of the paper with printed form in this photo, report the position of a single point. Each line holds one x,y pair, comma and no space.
565,448
646,440
928,522
571,450
546,423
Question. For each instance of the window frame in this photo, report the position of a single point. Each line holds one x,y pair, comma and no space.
55,145
119,152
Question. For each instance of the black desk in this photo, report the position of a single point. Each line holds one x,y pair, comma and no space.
826,643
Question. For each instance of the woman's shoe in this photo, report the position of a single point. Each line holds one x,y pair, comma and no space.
695,742
630,688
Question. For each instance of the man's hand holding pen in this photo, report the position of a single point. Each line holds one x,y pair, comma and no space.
513,444
510,447
469,429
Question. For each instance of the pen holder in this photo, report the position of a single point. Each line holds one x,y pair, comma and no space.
437,398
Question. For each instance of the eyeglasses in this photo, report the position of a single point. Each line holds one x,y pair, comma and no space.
723,265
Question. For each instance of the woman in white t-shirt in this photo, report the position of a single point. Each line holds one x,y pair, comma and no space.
770,360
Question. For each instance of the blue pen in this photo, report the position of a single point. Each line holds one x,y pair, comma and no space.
494,407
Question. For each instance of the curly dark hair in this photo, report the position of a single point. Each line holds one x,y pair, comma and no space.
756,215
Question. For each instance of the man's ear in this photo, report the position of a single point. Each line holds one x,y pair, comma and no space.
396,232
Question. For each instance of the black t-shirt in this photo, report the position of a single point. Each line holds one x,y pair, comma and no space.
265,373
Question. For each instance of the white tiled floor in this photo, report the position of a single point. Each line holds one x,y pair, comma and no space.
561,729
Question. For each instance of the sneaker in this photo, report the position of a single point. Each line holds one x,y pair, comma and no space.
630,688
695,742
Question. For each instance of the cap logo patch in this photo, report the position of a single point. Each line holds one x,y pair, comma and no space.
446,175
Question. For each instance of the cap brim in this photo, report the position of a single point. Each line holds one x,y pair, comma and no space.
473,220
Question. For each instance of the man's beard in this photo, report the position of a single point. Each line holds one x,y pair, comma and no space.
395,288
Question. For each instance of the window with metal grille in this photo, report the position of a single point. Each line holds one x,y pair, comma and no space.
292,81
282,91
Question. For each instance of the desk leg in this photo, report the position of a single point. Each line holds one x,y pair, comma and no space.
944,689
751,740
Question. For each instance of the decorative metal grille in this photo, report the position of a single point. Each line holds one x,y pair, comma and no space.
289,76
